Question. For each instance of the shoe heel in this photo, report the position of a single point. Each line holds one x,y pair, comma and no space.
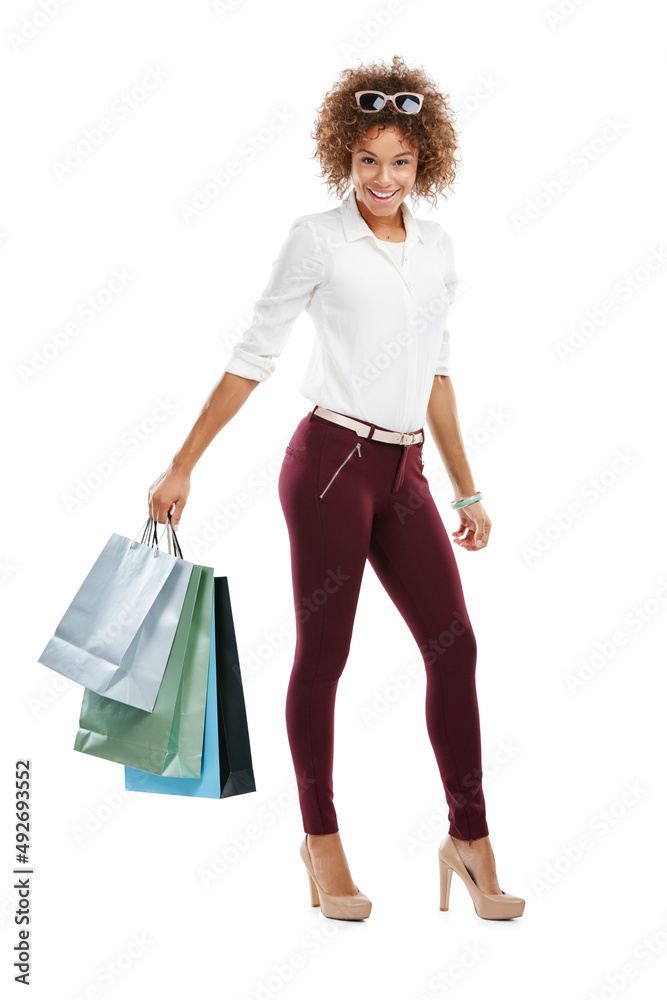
314,894
445,884
490,906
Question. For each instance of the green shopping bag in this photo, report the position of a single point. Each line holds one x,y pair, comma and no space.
169,739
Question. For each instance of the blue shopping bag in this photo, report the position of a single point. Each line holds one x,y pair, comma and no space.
207,785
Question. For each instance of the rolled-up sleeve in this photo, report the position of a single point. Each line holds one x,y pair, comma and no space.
451,283
295,273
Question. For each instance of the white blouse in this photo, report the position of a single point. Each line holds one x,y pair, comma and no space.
380,326
398,250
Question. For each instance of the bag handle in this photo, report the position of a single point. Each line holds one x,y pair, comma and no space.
149,535
147,530
172,540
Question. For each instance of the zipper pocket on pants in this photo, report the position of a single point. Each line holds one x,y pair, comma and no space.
357,447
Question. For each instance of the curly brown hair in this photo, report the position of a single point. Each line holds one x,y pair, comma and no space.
340,123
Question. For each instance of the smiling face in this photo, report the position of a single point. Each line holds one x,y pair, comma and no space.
383,164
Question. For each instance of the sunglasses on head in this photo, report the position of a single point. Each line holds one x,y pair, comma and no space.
375,100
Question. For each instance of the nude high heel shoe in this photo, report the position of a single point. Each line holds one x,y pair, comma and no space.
490,905
356,907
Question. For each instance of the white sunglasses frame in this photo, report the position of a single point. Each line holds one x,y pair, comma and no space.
389,97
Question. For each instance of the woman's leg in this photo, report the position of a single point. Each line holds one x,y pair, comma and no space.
329,538
413,557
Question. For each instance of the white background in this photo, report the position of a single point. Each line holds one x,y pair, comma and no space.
535,93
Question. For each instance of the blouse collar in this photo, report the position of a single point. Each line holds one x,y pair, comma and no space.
354,224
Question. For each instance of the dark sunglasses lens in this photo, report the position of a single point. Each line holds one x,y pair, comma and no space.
409,103
371,102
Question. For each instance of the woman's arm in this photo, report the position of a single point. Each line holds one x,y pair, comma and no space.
443,423
173,486
295,273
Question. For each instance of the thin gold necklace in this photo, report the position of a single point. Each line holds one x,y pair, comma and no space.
382,234
403,231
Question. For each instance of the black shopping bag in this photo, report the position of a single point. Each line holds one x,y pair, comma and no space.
236,771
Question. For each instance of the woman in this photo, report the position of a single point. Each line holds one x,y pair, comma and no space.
377,282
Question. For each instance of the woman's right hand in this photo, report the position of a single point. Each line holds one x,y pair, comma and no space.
171,489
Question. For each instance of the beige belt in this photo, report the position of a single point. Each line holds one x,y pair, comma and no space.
364,430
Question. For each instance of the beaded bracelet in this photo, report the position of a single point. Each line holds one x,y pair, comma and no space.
467,500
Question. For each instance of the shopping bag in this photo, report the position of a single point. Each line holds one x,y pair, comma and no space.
236,770
169,739
207,785
227,762
115,637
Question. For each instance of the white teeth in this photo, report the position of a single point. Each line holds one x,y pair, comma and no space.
379,194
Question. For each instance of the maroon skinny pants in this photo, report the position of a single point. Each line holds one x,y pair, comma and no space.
347,499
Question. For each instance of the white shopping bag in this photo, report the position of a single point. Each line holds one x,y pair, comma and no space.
116,635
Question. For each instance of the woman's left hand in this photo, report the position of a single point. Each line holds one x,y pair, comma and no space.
473,532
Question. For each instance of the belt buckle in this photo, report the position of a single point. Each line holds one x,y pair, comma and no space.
407,437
